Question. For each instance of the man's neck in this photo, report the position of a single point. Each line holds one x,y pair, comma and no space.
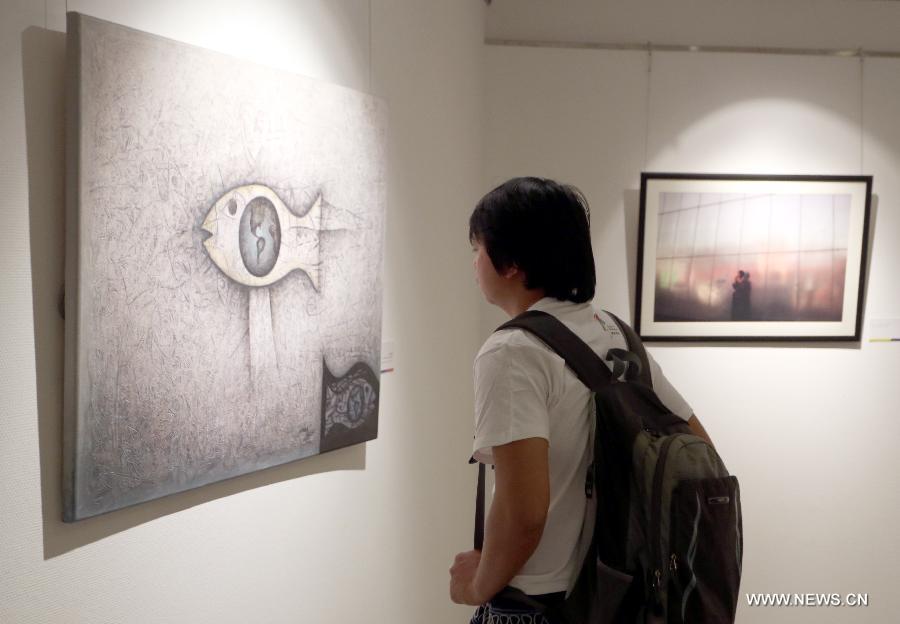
521,301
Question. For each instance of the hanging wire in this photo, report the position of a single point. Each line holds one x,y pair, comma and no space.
647,104
862,112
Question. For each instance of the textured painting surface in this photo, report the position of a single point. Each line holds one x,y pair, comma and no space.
223,270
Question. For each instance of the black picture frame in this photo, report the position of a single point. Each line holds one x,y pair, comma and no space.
790,281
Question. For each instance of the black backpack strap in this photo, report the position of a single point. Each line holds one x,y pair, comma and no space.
636,346
584,362
479,508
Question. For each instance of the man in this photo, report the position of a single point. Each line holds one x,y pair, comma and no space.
531,240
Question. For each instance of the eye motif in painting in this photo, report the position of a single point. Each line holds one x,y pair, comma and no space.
256,240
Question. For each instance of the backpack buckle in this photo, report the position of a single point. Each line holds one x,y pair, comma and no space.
624,362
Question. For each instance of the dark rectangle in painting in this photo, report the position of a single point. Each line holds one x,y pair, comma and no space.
349,407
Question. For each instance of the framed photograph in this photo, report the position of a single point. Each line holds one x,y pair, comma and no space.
751,257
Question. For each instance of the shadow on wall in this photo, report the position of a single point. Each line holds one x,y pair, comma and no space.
43,75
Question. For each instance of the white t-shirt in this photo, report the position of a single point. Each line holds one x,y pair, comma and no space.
524,390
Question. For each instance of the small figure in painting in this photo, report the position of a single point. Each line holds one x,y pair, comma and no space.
740,298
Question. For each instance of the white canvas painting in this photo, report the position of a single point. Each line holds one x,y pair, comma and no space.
224,254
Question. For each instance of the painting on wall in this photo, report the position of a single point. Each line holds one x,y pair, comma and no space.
751,257
225,225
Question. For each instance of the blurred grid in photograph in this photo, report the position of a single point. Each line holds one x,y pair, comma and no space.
740,257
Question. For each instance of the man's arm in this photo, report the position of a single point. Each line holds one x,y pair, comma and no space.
516,519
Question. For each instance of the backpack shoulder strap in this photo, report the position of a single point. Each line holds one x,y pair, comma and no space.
636,346
584,362
479,508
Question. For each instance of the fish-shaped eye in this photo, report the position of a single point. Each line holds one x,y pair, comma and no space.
256,240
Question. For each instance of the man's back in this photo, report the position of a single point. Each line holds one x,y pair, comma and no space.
524,390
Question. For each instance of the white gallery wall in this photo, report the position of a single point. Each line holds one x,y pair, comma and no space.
365,533
809,429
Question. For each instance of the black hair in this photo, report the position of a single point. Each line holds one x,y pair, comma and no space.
543,228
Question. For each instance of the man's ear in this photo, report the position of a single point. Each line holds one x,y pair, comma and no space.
511,271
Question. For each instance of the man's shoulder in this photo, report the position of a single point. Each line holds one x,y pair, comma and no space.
595,327
512,341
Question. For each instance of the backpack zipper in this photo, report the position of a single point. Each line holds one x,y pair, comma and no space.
655,514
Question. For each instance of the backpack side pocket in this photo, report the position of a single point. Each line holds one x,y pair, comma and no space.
597,597
612,586
706,545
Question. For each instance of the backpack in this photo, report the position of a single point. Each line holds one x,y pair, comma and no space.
666,544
